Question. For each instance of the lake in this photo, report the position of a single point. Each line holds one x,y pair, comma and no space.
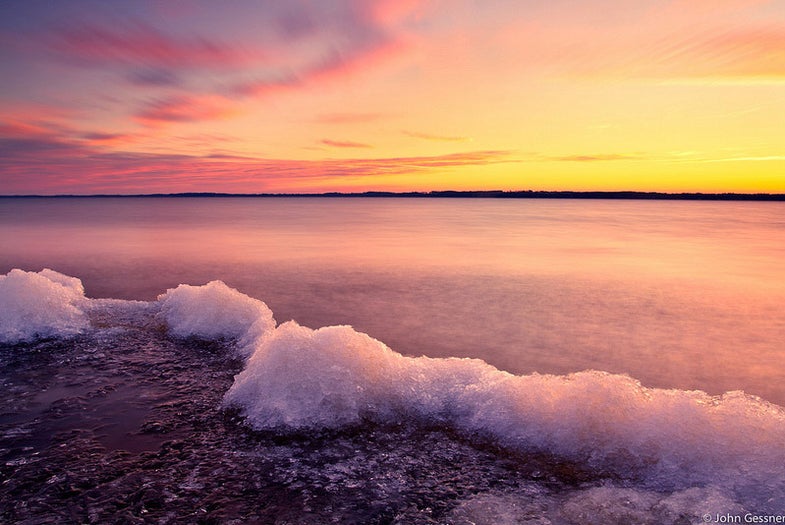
318,360
676,294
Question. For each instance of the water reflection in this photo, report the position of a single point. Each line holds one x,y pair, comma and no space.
677,294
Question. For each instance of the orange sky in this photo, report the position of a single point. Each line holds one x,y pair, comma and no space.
351,95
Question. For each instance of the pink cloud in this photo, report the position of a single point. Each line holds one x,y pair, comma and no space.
344,144
742,53
197,70
186,109
702,9
17,129
349,118
50,129
332,65
140,44
47,164
102,139
601,157
436,138
758,51
362,38
35,119
682,39
386,12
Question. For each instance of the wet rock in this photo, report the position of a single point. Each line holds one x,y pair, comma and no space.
155,427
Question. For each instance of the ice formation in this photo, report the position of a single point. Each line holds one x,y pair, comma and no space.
299,379
214,311
40,304
302,379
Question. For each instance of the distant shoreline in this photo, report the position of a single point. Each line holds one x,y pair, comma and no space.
452,194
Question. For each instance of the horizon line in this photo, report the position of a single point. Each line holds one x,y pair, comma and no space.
509,194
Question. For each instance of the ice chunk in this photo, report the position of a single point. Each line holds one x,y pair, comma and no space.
335,376
43,304
303,378
214,311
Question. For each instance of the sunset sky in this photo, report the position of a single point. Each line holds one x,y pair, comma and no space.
351,95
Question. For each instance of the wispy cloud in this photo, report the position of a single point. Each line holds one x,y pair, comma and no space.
43,162
154,77
109,139
142,45
759,158
186,109
350,118
751,54
344,144
435,138
596,158
295,46
671,41
748,52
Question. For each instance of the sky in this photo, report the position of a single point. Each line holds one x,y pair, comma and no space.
264,96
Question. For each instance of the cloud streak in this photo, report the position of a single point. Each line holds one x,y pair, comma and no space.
677,40
294,46
596,158
349,118
435,138
344,144
44,163
141,44
181,108
749,52
759,158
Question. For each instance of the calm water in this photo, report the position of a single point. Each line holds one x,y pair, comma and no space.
676,294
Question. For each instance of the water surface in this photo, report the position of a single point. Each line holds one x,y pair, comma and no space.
676,294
